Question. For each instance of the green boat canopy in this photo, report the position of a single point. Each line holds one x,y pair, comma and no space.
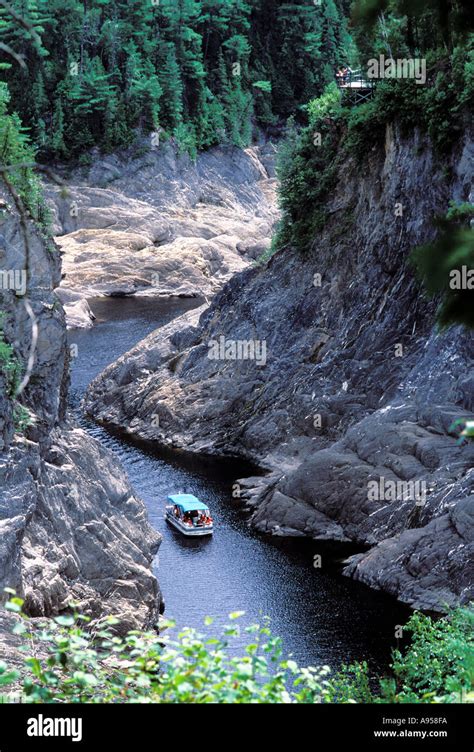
188,503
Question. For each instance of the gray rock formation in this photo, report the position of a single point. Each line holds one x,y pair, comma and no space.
151,222
356,390
71,527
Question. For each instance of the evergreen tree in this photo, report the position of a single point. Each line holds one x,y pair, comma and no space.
57,144
142,92
172,86
98,70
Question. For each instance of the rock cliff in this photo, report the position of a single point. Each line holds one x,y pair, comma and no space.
344,382
71,527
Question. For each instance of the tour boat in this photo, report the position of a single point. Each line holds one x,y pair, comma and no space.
189,515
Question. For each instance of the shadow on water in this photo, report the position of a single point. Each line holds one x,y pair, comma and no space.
322,617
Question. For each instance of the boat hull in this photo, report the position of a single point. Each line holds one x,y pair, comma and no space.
190,532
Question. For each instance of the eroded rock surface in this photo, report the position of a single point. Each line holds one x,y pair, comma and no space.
357,384
71,527
158,223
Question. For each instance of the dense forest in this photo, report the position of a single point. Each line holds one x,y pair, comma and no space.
204,71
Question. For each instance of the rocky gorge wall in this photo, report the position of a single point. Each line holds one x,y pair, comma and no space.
71,527
355,386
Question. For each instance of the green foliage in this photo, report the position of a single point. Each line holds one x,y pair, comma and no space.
460,211
439,109
406,24
10,371
437,667
9,364
16,157
439,664
467,429
352,684
307,169
186,138
265,86
69,660
446,267
95,73
393,102
21,418
327,105
438,32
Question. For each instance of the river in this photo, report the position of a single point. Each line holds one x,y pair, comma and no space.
322,617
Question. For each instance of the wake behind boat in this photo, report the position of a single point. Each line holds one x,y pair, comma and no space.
189,515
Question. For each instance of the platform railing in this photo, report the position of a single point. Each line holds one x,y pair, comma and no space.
355,80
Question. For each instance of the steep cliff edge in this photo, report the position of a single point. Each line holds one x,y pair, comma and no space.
346,382
71,527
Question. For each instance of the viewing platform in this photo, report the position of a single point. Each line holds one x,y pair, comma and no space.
357,87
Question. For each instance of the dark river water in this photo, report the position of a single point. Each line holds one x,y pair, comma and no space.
322,617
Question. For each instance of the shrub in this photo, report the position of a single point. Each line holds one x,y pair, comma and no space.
10,368
307,170
68,659
439,664
16,158
439,263
327,105
9,363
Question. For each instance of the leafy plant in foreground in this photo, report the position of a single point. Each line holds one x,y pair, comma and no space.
69,659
